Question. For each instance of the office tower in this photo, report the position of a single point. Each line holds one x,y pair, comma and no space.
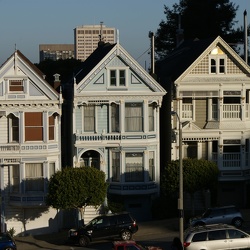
56,51
87,38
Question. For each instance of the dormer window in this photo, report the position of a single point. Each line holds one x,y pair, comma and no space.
217,61
16,86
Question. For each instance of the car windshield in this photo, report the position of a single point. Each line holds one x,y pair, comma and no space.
93,222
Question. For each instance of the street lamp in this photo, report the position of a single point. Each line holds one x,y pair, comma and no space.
180,200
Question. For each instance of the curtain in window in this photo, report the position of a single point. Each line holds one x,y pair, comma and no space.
52,168
34,180
116,166
89,118
115,126
134,167
151,168
151,117
15,178
133,117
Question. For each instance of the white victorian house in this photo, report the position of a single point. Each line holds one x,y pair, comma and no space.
116,106
208,86
30,146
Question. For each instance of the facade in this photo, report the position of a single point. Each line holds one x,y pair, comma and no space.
87,37
116,107
208,87
56,51
30,146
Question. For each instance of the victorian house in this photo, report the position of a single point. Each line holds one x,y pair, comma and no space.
116,109
208,86
30,146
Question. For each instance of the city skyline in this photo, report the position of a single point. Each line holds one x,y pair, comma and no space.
28,23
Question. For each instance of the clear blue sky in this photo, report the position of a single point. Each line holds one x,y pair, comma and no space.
28,23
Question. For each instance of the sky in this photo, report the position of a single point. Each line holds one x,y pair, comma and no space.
24,24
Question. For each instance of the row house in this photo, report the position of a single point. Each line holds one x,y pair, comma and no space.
208,86
30,146
115,126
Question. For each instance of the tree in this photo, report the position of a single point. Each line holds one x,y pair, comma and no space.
76,188
198,19
197,175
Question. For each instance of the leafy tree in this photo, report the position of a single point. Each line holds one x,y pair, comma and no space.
197,175
199,19
76,188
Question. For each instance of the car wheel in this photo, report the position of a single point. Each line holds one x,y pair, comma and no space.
237,222
126,235
83,241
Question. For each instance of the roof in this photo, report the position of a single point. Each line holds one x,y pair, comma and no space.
102,50
181,58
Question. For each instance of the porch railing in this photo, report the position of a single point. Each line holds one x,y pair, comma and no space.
230,160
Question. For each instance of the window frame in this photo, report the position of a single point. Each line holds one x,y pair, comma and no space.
136,175
128,124
216,68
85,118
30,180
117,77
14,135
34,126
14,87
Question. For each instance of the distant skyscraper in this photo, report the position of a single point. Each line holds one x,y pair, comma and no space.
87,38
56,51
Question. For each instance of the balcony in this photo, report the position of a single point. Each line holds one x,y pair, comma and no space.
229,111
27,200
230,161
101,137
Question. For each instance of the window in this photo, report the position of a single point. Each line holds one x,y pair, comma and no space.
13,128
52,168
217,61
118,78
89,118
115,126
15,178
116,166
199,237
187,108
16,85
151,117
52,128
34,180
217,235
151,168
134,171
34,126
133,117
236,234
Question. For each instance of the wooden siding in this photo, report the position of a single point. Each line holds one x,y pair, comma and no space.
200,113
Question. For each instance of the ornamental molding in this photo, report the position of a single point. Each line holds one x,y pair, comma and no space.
216,80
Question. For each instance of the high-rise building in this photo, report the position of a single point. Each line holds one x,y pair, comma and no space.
87,38
56,51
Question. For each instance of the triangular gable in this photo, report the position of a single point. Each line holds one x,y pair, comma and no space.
190,126
118,56
19,67
235,64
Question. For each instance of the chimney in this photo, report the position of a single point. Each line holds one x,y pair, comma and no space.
57,81
179,32
245,37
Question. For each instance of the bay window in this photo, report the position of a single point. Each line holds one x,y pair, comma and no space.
89,118
115,166
115,124
34,126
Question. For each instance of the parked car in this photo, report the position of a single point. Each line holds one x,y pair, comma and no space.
107,226
216,236
7,242
226,215
131,245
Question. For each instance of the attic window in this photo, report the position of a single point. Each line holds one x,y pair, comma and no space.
118,78
16,85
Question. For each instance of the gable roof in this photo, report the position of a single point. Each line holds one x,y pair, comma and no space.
18,60
102,50
177,62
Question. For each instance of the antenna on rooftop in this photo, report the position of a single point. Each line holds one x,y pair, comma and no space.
100,35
